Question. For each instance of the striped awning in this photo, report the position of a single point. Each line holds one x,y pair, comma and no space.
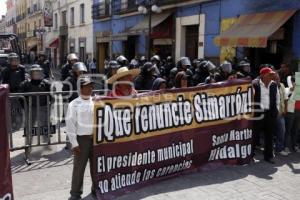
253,30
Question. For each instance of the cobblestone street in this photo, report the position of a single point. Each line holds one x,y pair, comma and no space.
50,178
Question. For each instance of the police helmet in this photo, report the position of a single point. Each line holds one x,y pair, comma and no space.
72,56
155,58
113,64
36,72
79,67
226,67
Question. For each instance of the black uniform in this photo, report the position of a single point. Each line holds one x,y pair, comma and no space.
36,86
45,65
13,78
173,74
71,81
65,71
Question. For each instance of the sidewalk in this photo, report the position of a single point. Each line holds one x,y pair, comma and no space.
50,179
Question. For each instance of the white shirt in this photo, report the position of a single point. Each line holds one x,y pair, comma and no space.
291,101
79,119
265,96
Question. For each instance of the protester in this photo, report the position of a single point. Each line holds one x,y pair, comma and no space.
122,82
79,126
291,119
280,124
159,84
284,72
92,66
266,97
66,69
145,80
14,74
181,80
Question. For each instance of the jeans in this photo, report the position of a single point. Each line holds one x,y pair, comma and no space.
292,128
280,134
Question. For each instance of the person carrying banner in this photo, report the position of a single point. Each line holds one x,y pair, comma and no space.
122,82
79,126
266,102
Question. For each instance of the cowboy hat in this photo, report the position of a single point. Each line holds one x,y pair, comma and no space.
121,72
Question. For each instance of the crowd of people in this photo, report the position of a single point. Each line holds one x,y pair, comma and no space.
276,112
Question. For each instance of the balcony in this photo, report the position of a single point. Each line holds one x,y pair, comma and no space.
63,30
125,7
101,10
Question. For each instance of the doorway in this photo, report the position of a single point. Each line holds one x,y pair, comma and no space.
192,38
102,52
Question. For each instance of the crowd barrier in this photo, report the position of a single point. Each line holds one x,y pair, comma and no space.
37,119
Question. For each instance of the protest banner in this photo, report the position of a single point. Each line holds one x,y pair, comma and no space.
6,192
158,135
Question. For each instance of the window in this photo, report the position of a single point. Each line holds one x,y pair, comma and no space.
64,18
55,21
72,16
82,20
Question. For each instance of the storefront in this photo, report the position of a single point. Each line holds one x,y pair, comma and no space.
261,37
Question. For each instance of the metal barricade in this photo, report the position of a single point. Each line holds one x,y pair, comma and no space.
43,123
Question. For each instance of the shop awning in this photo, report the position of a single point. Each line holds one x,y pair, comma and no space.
54,43
253,30
143,26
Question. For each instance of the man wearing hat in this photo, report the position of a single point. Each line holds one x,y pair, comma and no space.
266,105
79,126
122,82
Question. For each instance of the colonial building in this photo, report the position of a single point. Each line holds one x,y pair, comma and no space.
3,24
200,28
11,26
35,26
72,30
121,29
21,12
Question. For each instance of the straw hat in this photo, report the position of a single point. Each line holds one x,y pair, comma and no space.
121,72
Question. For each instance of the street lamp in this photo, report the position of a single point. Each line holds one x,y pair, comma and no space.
149,7
39,33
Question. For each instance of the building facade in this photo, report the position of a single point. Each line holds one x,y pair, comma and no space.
72,30
190,28
21,21
11,16
3,24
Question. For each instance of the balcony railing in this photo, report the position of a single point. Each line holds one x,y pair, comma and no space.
125,7
101,10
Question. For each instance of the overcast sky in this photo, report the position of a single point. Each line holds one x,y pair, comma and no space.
2,7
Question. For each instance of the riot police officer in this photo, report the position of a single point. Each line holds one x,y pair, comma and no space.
65,71
225,70
244,69
14,74
146,78
122,61
155,60
183,64
39,106
44,63
70,84
36,83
